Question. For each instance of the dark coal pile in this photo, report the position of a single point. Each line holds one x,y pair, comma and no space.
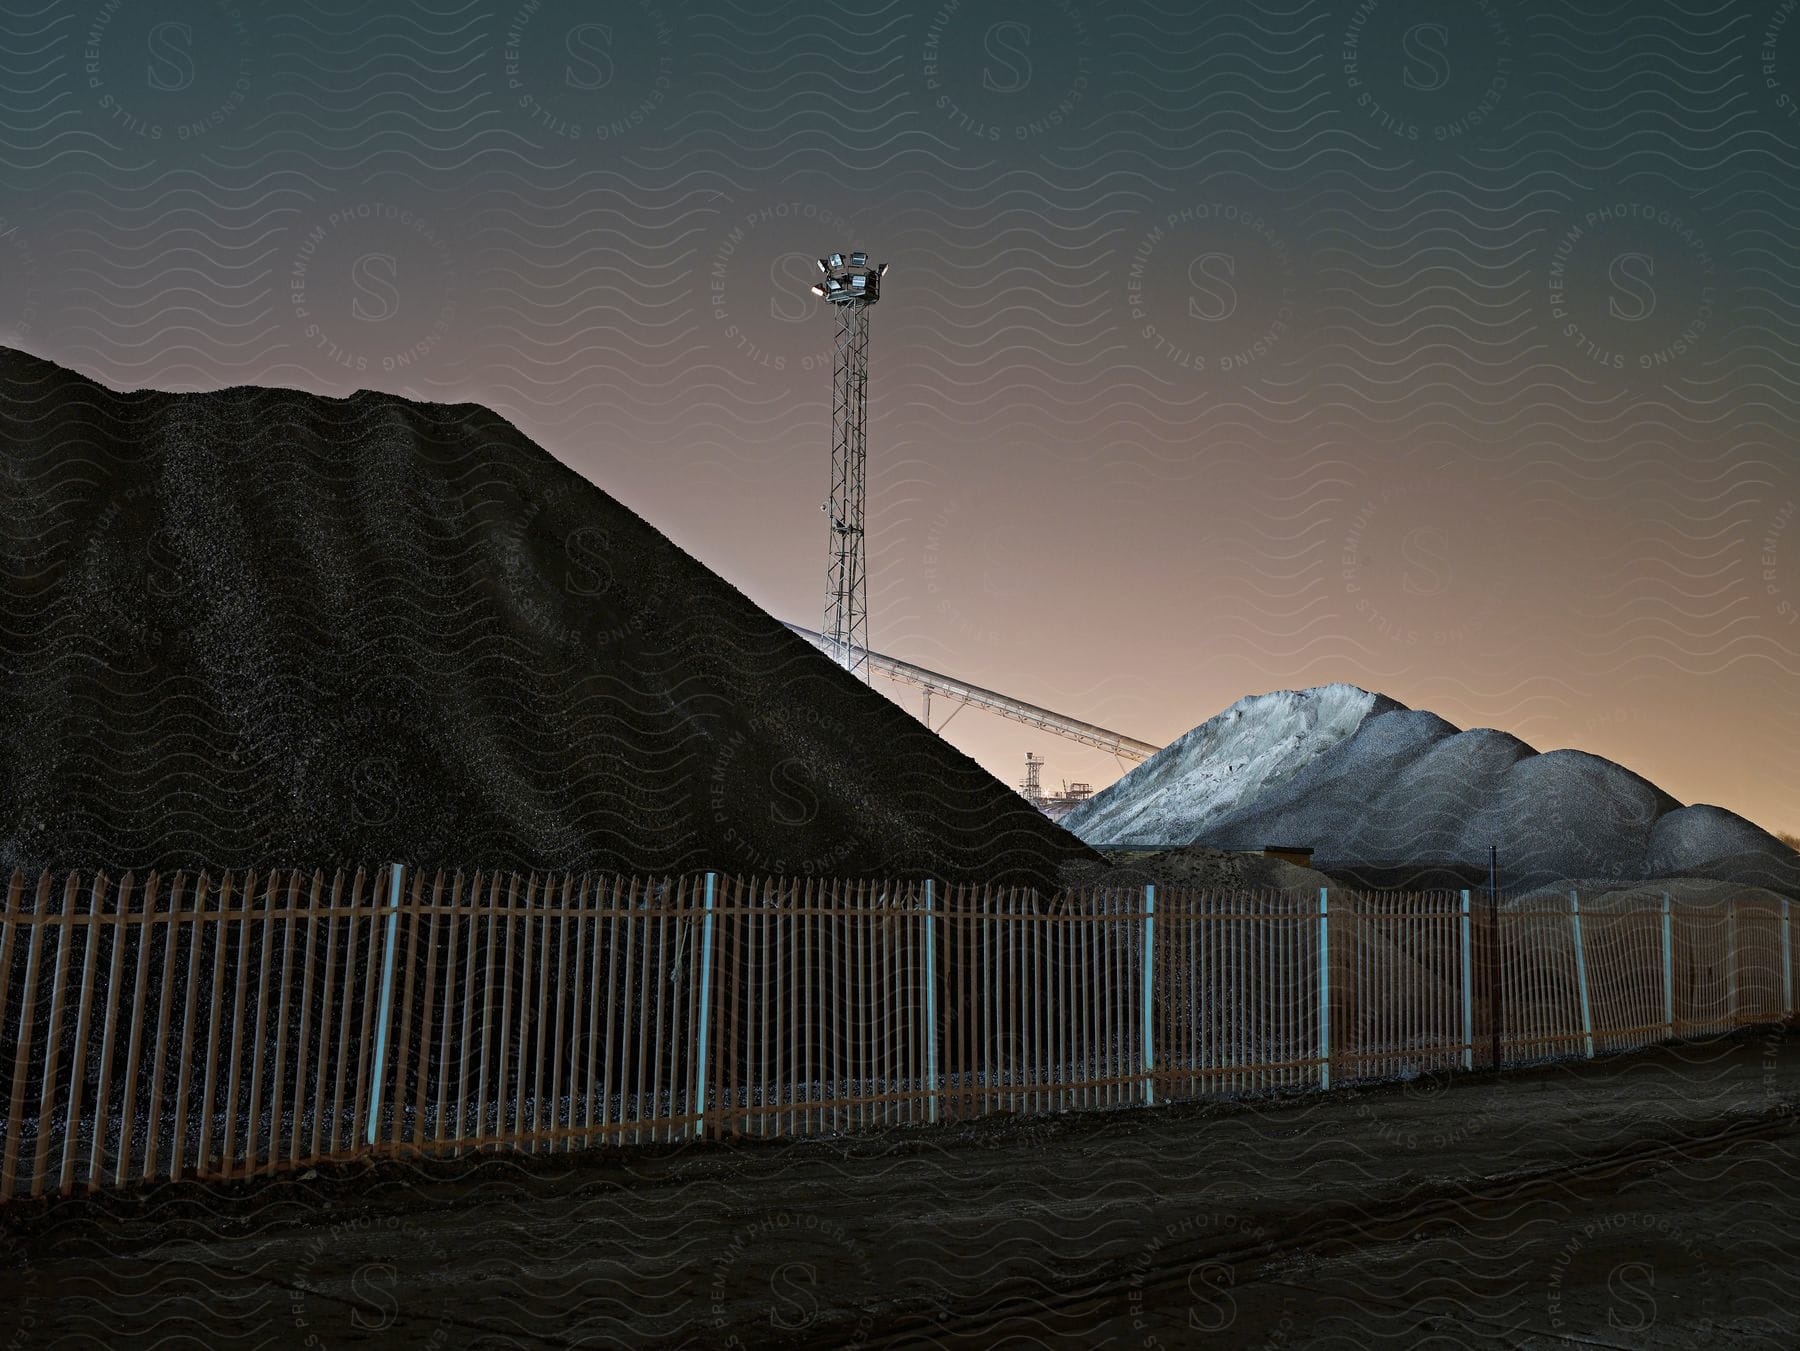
263,627
1392,797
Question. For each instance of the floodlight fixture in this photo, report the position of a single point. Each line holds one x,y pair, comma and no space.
850,279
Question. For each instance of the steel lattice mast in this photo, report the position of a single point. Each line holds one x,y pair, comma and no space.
851,285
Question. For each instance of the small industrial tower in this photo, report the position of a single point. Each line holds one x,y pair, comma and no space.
851,285
1032,788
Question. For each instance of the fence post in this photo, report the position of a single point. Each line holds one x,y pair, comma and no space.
1581,979
1668,968
932,1087
1149,969
396,872
1468,991
1787,966
701,1067
1324,987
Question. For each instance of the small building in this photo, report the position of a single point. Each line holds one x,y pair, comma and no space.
1300,854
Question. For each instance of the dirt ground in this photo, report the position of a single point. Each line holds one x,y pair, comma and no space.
1643,1201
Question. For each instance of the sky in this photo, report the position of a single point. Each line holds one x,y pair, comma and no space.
1449,351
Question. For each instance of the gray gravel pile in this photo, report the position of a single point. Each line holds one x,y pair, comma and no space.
1389,796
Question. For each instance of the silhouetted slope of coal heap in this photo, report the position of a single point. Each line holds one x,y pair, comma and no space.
265,627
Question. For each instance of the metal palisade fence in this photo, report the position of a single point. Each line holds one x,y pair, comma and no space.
221,1027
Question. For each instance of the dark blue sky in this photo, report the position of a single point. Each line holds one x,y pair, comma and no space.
1448,350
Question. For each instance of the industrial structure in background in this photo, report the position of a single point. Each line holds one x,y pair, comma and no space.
1054,805
964,695
852,286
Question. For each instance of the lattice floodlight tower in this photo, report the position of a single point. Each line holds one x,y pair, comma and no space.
852,285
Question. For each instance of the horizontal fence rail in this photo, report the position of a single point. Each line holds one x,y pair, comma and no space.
221,1027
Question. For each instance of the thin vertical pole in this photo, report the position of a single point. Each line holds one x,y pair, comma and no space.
1149,977
674,892
403,1058
783,897
11,925
450,1008
592,1005
1581,978
1787,965
15,1116
303,1046
53,1043
487,999
614,1016
395,872
862,1014
328,1060
252,1122
652,890
1494,967
731,1017
536,1011
160,1051
190,1016
103,1098
1213,988
366,1030
579,967
1668,949
932,1086
77,1070
985,997
558,997
1324,987
814,998
203,1153
684,991
700,1068
278,1074
140,1016
533,1015
527,925
235,1072
968,998
759,899
1468,990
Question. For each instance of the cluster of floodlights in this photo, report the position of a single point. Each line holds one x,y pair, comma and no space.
849,280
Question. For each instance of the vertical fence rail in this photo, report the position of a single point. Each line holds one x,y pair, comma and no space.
228,1027
1146,1030
15,1116
706,967
1324,962
1668,967
1787,964
1581,975
934,1087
